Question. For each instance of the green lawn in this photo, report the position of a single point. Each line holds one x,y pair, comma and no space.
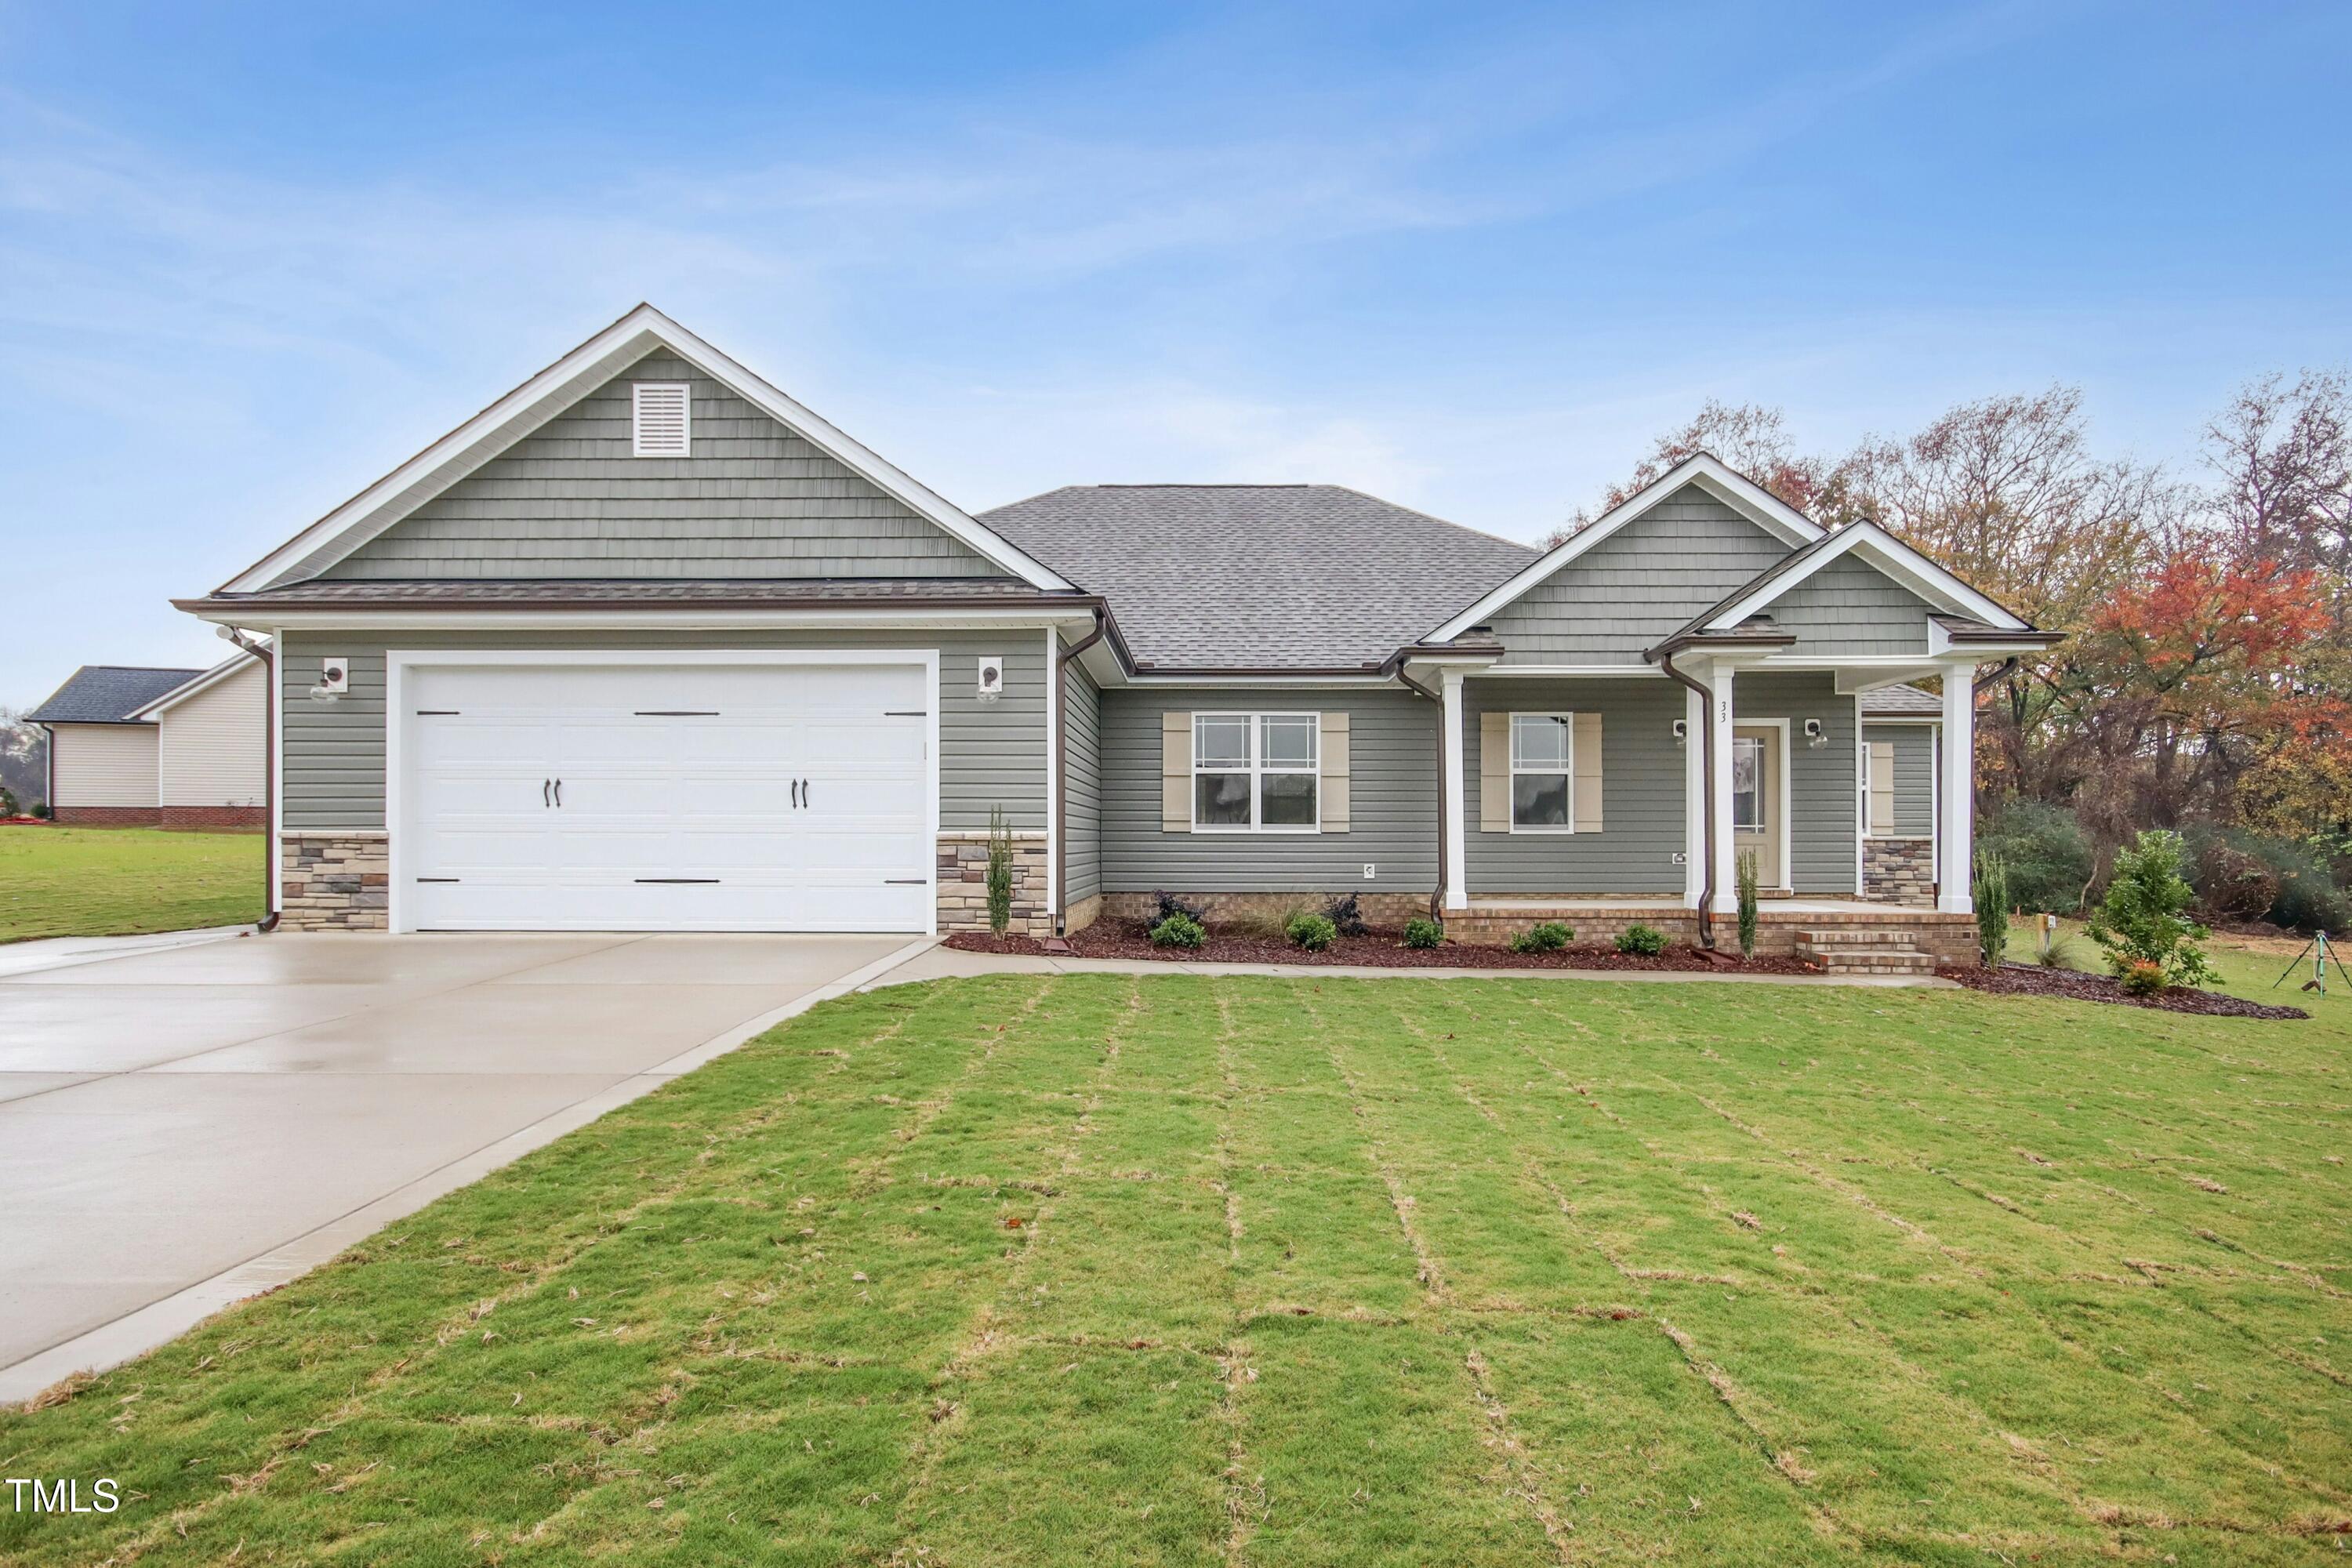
113,881
1032,1270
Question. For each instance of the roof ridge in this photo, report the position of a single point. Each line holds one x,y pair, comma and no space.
1433,517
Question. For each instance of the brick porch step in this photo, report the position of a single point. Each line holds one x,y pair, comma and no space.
1860,951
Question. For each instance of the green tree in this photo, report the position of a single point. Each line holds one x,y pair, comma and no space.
2143,918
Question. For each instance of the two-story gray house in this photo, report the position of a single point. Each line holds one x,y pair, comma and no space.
648,645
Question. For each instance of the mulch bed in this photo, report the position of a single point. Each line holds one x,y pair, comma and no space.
2033,980
1380,949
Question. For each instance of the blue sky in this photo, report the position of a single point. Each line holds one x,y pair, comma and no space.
1469,258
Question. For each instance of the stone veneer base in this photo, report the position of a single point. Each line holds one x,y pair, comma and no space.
963,884
335,881
1899,872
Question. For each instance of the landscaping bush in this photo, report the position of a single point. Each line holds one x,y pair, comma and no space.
1346,917
1166,904
1312,931
2142,979
1000,871
1647,940
1549,937
1179,929
41,809
2307,898
1746,883
2048,856
1421,931
1268,924
1989,896
2142,920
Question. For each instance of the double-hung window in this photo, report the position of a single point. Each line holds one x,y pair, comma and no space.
1540,773
1256,772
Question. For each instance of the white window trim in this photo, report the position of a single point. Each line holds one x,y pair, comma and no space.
1567,765
637,390
1256,768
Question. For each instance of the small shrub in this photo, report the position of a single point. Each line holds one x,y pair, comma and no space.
1423,932
1312,931
8,806
1000,871
1166,904
1269,924
2142,920
2307,898
2048,856
2062,951
1746,883
1346,917
1648,941
1989,895
1179,929
1549,937
41,809
2139,978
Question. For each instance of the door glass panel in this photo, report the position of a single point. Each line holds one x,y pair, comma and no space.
1747,785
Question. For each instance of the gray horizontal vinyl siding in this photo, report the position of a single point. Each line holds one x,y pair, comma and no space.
1850,608
754,499
1915,774
1641,791
991,753
1391,800
1824,789
1642,582
1082,786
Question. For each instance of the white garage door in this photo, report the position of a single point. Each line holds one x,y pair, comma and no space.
661,797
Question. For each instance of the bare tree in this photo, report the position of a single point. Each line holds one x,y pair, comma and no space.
1750,438
2283,455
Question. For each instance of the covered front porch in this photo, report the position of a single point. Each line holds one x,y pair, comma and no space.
1846,935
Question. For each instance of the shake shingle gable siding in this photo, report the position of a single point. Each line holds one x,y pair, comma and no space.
755,500
1259,576
1641,583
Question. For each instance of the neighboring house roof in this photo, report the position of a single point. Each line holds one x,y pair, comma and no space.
204,682
1274,577
107,694
535,402
1903,701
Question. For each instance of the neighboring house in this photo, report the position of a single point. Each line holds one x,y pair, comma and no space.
171,748
648,645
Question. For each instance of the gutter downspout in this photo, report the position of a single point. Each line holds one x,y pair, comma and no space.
1436,894
266,655
1706,797
1062,774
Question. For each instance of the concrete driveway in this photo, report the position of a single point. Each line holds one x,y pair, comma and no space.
183,1126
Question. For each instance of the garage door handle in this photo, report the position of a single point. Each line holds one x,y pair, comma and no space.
543,785
559,795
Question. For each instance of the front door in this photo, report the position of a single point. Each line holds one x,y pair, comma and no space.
1756,803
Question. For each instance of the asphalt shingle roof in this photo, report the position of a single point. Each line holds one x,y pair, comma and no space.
1886,701
1259,576
107,694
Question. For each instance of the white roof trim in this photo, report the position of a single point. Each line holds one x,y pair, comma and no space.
1897,560
205,682
539,399
1735,489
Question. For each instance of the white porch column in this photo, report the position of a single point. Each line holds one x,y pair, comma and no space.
1727,880
1457,846
1694,799
1955,846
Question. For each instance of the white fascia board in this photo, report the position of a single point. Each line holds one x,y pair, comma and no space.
539,399
209,679
352,620
1735,490
1901,719
1897,560
1294,682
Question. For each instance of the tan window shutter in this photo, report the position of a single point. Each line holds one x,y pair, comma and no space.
1335,772
1176,772
1494,773
1882,787
1585,757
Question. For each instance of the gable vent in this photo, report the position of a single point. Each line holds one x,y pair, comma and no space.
660,419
